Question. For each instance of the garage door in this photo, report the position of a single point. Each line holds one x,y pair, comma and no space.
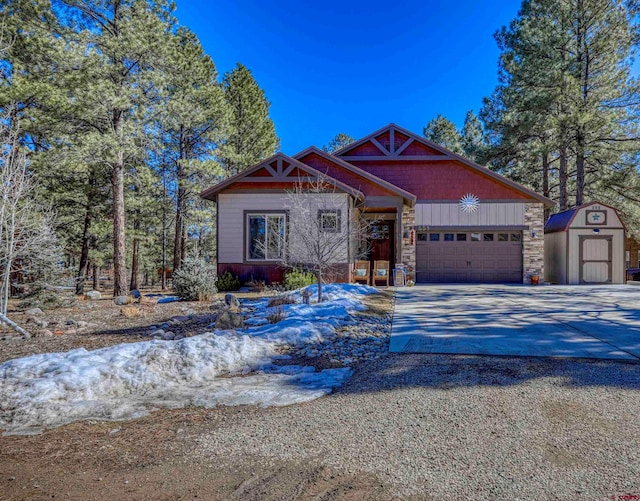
469,257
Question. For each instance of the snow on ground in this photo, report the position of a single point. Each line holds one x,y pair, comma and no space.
128,380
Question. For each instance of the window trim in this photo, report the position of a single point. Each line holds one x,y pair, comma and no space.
338,214
245,243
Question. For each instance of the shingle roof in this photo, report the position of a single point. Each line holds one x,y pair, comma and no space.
560,221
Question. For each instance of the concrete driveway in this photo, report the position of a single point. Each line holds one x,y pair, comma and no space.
557,321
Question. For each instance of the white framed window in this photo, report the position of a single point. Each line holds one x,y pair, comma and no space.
329,220
265,236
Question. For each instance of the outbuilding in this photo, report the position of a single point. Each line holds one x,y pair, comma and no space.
585,245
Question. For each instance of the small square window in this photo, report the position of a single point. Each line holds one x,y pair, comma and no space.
503,237
516,237
434,237
475,237
329,220
487,237
448,237
461,237
422,237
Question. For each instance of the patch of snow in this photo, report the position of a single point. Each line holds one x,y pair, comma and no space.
128,380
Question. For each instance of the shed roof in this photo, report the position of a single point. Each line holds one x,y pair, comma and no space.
562,220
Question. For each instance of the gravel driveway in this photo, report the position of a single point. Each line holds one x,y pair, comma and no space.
454,427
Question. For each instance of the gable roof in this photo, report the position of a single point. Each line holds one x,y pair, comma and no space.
407,196
280,174
440,153
561,221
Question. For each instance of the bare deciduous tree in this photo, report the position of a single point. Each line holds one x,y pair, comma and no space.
325,230
26,234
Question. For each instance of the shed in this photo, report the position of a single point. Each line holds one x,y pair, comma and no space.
585,245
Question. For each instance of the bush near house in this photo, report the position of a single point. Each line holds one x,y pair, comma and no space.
295,279
228,282
195,280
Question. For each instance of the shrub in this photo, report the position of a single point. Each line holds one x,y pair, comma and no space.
276,316
295,279
257,285
228,282
195,280
282,299
46,300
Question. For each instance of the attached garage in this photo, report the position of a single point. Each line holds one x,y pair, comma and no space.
585,245
488,256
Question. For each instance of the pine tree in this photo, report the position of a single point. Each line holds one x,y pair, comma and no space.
340,141
253,135
443,131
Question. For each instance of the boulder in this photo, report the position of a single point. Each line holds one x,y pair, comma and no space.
34,311
168,336
229,320
122,300
38,321
232,302
93,295
157,333
135,294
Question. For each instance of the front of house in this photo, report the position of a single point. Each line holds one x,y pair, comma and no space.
444,217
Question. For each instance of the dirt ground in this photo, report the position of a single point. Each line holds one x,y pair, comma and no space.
150,458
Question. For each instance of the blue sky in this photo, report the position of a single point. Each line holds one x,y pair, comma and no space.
353,67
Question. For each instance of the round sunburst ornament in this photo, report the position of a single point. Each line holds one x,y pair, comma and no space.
469,203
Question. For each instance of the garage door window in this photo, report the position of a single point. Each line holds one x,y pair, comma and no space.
448,237
503,237
434,237
475,237
461,237
422,237
487,237
516,237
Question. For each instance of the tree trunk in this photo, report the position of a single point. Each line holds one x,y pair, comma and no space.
119,243
545,182
318,275
96,277
84,254
134,264
580,169
562,179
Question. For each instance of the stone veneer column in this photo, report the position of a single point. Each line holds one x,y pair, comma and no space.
533,247
409,249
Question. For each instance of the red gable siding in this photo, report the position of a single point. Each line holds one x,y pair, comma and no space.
364,150
417,148
354,180
439,180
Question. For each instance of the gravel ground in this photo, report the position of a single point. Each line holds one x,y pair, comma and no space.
442,427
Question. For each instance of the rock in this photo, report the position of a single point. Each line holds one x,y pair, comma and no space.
34,311
46,333
178,336
179,319
70,321
82,324
71,331
135,294
130,311
157,333
122,300
38,321
168,336
229,320
93,295
232,302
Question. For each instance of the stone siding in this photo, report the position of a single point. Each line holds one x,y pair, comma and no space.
533,242
409,246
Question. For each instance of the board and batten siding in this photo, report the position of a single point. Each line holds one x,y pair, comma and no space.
488,214
232,207
555,260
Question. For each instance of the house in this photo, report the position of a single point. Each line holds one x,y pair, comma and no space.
585,245
446,218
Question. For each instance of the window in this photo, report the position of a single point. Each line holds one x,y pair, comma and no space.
329,220
448,237
265,237
461,237
434,237
475,237
516,237
422,237
487,237
503,237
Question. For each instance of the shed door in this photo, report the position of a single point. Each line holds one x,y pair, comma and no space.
595,259
490,256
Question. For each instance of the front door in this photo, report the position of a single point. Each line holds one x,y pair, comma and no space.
381,243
